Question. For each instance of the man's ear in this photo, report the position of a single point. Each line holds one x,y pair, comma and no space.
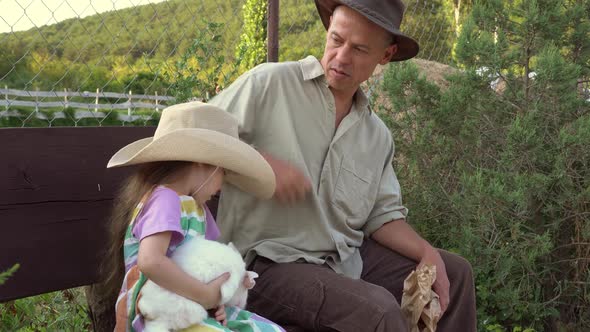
389,52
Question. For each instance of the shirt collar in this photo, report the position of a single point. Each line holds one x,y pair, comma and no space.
361,101
311,68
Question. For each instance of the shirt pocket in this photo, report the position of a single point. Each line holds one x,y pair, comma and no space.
352,190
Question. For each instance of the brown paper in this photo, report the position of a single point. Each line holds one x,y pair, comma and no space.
420,304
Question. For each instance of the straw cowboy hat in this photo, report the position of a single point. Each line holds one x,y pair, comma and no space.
206,134
387,14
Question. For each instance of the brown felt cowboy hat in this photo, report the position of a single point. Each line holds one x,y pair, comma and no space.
387,14
206,134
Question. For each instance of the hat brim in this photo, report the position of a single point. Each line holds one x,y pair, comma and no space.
407,47
247,168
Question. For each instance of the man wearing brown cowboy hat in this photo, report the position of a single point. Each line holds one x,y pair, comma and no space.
333,248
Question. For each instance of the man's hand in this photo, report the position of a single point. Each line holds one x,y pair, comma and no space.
291,183
441,284
400,237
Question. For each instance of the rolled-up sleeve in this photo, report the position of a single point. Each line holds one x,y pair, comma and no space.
240,100
388,204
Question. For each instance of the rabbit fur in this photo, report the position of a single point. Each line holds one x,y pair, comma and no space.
204,260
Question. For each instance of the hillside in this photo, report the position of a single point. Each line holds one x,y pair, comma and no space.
112,49
139,48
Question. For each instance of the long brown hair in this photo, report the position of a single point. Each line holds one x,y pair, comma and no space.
141,182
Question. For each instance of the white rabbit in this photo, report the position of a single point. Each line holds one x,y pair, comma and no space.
204,260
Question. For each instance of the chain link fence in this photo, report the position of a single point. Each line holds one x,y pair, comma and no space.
121,67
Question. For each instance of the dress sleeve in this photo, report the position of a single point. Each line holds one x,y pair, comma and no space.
388,205
161,213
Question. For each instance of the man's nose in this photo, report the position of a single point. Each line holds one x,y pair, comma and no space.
344,55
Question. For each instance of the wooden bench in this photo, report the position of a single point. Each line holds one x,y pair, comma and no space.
55,197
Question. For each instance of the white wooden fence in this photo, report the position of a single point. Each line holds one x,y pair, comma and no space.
132,101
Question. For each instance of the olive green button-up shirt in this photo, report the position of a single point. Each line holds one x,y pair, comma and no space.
287,110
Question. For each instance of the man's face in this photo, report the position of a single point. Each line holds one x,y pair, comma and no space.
354,47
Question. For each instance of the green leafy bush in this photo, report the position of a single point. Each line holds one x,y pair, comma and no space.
502,176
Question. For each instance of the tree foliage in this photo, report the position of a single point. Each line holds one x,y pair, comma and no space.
251,50
502,176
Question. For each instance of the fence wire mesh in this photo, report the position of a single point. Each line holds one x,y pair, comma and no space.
118,62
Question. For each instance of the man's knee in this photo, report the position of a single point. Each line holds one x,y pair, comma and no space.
458,268
355,305
381,300
392,318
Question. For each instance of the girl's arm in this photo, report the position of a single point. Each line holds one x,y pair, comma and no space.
154,263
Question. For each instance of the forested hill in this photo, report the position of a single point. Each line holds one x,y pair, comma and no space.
154,32
134,48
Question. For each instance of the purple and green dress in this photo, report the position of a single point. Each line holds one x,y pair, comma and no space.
167,211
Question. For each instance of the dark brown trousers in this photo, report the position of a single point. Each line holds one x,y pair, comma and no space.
315,298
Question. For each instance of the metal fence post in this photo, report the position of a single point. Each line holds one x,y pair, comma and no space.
272,31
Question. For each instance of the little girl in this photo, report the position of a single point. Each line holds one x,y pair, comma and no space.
194,149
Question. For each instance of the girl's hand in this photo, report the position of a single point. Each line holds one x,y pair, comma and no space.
214,292
249,281
220,316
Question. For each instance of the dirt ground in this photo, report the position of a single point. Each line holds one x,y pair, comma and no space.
435,72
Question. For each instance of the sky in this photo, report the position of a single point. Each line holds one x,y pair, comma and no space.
17,15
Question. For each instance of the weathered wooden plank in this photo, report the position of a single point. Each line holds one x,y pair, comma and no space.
55,194
47,104
83,94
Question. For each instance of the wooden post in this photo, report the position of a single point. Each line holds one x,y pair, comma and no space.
157,101
66,98
96,101
129,107
37,101
272,31
6,96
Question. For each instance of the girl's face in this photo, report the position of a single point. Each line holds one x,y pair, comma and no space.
206,181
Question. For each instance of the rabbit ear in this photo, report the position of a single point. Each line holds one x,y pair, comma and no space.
252,275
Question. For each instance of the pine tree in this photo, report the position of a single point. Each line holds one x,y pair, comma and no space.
497,166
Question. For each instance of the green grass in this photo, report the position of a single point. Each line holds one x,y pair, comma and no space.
58,311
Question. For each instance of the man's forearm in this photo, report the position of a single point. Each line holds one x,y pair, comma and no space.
397,235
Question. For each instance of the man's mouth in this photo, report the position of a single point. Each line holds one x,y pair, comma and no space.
339,72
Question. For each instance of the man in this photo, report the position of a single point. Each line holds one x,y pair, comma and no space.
332,248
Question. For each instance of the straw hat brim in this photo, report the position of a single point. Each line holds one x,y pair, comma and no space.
247,168
407,47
